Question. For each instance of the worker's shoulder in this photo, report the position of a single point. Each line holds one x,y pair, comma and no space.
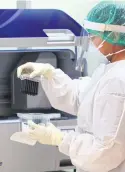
116,71
119,70
114,79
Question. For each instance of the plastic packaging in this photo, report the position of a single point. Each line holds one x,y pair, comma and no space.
40,119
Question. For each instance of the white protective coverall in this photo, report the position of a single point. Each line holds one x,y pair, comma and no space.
98,144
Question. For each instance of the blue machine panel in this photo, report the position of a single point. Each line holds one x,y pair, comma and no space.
31,22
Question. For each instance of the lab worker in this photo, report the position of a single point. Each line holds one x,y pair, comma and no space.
98,144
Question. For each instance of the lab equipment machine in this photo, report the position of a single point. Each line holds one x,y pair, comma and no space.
42,36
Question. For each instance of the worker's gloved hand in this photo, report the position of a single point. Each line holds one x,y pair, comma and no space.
33,70
48,135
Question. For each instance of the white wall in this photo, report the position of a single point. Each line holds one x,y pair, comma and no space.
78,9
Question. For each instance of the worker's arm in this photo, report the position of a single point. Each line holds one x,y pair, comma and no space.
63,92
105,149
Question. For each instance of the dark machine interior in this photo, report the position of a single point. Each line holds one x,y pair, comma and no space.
12,101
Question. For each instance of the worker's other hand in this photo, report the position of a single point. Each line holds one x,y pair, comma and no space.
35,70
48,135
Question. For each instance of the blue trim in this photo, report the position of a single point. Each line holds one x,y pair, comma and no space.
34,50
31,22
